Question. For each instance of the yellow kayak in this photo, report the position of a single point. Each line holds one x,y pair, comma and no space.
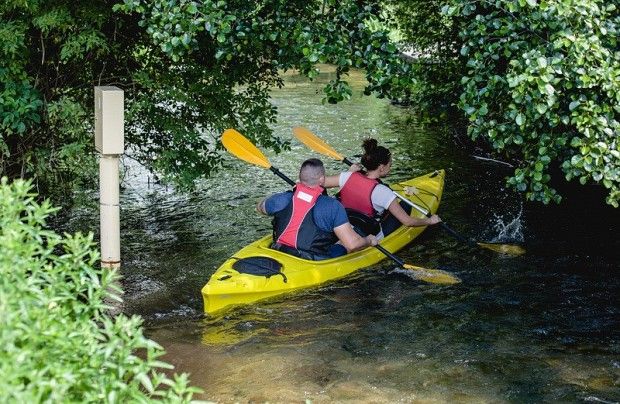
229,287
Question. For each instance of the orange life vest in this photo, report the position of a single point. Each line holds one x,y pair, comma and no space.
294,225
356,193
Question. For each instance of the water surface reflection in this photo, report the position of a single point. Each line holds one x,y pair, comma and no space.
540,327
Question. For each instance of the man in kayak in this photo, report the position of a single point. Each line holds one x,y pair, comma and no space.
365,194
309,224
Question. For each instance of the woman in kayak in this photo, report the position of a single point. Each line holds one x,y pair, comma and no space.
307,223
363,192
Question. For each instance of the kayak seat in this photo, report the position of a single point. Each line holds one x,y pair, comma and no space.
259,266
362,224
298,253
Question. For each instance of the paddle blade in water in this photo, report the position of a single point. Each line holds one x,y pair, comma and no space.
508,249
315,143
239,146
432,275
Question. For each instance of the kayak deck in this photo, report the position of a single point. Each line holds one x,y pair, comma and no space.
227,287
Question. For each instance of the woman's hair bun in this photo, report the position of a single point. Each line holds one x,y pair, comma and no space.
369,145
374,155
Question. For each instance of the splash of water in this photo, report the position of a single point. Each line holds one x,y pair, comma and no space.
508,229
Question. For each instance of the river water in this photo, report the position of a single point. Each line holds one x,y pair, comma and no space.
544,326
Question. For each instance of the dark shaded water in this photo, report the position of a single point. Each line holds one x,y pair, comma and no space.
541,327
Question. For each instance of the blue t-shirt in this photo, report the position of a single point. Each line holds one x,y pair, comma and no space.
328,213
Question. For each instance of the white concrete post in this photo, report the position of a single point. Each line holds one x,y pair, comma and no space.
109,141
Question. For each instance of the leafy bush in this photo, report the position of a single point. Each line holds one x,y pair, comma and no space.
58,343
189,70
539,82
543,86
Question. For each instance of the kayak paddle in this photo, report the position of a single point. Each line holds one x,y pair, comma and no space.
240,147
318,145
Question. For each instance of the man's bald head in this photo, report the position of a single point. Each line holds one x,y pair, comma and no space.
311,172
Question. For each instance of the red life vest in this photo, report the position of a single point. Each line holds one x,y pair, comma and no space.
304,199
356,193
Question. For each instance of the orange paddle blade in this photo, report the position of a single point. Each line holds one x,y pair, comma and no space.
508,249
315,143
432,275
239,146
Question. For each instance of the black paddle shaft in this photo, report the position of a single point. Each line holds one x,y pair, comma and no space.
347,161
456,235
284,177
390,255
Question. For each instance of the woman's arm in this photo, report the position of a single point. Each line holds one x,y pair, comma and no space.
260,207
332,181
403,217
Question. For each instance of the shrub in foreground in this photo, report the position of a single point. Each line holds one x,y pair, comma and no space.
58,343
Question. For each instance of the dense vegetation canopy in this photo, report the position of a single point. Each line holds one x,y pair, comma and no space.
189,70
539,81
536,82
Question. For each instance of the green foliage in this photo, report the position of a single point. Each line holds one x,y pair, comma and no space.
539,81
281,34
433,39
58,343
189,70
47,50
543,87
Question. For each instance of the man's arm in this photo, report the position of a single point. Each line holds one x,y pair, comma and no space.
351,240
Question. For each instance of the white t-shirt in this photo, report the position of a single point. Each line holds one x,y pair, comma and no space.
381,197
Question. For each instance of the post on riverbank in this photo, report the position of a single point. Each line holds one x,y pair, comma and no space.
109,141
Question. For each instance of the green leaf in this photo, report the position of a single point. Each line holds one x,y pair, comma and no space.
549,89
520,119
146,382
542,62
541,108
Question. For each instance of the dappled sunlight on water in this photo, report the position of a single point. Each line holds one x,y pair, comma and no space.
541,327
382,338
